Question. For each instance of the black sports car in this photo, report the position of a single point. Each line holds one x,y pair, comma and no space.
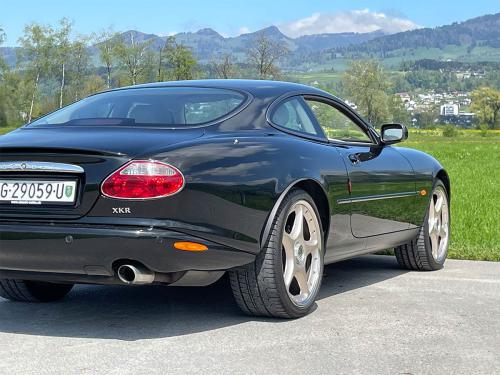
176,183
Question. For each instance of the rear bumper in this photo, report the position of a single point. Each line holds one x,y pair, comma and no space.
91,253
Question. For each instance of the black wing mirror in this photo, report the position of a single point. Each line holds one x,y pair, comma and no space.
393,133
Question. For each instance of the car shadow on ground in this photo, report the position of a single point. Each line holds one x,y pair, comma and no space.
134,313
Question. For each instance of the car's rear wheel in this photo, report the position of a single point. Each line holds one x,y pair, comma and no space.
32,291
285,278
429,250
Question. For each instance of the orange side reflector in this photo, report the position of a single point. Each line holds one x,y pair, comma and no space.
423,193
190,246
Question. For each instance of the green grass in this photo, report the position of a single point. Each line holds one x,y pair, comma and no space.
473,164
310,78
328,78
6,129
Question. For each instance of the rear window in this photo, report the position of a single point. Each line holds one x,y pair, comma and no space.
165,106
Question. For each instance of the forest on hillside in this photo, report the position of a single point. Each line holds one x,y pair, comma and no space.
53,68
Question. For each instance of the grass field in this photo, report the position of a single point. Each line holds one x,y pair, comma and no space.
6,129
328,79
473,163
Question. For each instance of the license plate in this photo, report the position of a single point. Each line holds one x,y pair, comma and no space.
37,192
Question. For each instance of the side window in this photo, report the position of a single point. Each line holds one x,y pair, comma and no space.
293,114
337,125
200,112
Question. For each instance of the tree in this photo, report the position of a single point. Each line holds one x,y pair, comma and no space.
37,46
223,68
3,66
63,52
15,94
93,84
160,77
397,110
2,38
80,61
486,105
3,94
366,83
426,119
265,54
133,56
106,43
180,62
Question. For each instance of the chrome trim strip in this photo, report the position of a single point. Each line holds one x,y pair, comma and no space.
39,166
377,197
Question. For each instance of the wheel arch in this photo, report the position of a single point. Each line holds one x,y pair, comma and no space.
443,176
317,193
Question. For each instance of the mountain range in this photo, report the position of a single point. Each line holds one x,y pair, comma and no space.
479,31
207,43
477,39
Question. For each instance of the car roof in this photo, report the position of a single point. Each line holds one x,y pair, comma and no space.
257,88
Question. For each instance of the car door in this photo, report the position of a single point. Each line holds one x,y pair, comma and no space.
381,180
293,115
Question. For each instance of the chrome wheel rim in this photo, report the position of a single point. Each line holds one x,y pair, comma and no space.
439,223
301,253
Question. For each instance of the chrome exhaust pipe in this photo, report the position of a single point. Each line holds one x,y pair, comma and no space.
135,275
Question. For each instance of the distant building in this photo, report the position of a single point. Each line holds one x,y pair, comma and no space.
404,96
449,109
463,119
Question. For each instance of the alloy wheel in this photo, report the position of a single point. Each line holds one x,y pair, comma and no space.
302,253
439,223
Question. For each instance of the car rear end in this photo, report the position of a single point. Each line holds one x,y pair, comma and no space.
103,204
48,229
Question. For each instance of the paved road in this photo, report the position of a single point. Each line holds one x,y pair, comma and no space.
371,318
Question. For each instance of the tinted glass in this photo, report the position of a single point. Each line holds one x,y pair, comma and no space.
337,125
167,106
293,114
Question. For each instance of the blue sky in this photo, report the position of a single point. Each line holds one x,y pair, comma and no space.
235,17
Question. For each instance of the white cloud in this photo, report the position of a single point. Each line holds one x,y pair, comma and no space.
359,21
243,30
170,33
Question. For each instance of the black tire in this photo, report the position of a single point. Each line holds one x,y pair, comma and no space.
417,254
33,291
259,287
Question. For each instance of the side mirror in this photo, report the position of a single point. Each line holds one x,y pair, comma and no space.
393,133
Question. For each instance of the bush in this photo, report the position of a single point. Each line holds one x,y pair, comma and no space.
450,131
484,130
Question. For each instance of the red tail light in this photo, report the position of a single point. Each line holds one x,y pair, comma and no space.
143,179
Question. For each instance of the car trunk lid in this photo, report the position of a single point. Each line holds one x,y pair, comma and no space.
128,141
98,151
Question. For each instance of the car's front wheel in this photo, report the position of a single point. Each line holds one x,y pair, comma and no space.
429,250
285,278
33,291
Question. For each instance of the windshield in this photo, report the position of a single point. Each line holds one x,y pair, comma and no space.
163,106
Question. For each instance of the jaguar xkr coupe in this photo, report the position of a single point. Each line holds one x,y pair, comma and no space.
177,183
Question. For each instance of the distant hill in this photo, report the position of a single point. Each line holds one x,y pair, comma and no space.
8,54
327,41
208,43
477,39
482,31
